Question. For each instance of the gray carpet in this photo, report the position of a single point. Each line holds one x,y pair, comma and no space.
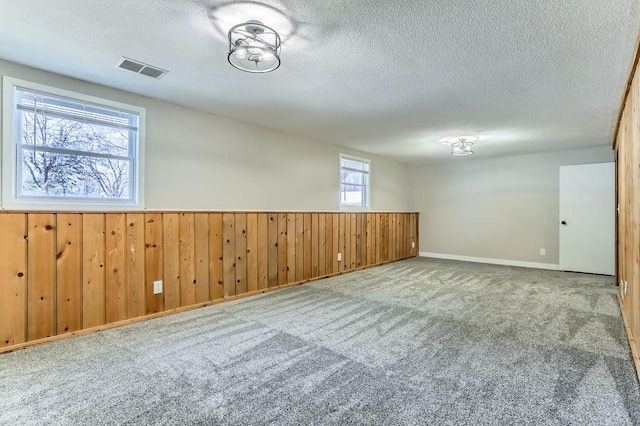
420,341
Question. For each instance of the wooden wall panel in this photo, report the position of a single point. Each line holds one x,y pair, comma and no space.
315,247
308,247
13,279
93,270
241,253
322,249
272,260
187,250
299,247
64,272
41,275
203,284
282,249
136,260
291,247
228,254
216,287
153,262
252,252
263,251
115,284
69,272
171,242
627,146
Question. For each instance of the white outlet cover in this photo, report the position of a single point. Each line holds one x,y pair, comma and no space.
339,257
543,252
413,244
157,287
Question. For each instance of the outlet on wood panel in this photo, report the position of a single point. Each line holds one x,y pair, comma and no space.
339,257
157,287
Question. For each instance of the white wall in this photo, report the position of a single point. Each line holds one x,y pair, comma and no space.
196,160
501,208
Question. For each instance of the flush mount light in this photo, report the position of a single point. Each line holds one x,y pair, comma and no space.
254,47
462,147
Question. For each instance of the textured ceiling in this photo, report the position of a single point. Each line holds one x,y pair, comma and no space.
387,77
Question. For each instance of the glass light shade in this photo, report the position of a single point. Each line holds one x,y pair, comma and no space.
254,47
461,148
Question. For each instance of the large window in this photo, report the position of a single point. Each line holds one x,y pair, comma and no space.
354,181
69,148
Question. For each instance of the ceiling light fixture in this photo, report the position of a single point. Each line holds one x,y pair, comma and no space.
462,147
254,47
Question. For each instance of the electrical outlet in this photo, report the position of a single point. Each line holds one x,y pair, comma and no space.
339,257
543,252
413,244
626,287
157,287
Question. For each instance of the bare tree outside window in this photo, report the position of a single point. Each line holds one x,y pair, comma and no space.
73,153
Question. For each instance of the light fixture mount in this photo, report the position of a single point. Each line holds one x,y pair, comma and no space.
254,47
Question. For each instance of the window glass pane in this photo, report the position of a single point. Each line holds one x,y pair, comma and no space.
63,133
353,164
352,177
352,196
52,174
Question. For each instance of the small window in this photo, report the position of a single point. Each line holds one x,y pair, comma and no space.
70,148
354,181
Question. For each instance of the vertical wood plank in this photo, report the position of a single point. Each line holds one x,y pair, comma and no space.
299,247
263,251
359,240
187,250
315,246
291,248
379,227
282,249
273,249
369,240
308,250
328,241
342,238
322,244
41,275
69,272
228,254
135,269
252,252
171,242
93,270
116,290
353,240
241,253
336,242
216,267
13,279
154,265
203,284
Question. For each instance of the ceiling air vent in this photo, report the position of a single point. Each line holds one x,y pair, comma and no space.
141,68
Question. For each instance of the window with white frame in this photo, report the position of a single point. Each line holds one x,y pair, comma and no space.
354,181
65,147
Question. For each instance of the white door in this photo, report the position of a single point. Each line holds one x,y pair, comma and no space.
587,218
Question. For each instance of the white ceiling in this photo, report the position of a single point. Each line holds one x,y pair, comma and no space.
387,77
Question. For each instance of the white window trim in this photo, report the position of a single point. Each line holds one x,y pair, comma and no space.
368,194
9,153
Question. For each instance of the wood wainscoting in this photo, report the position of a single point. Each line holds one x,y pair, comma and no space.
627,153
62,273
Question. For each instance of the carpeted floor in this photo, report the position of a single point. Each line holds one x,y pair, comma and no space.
420,341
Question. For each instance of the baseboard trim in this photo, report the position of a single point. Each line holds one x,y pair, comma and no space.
505,262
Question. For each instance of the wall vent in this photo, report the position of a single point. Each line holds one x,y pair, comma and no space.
141,68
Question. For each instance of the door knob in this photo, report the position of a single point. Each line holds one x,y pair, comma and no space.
564,222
